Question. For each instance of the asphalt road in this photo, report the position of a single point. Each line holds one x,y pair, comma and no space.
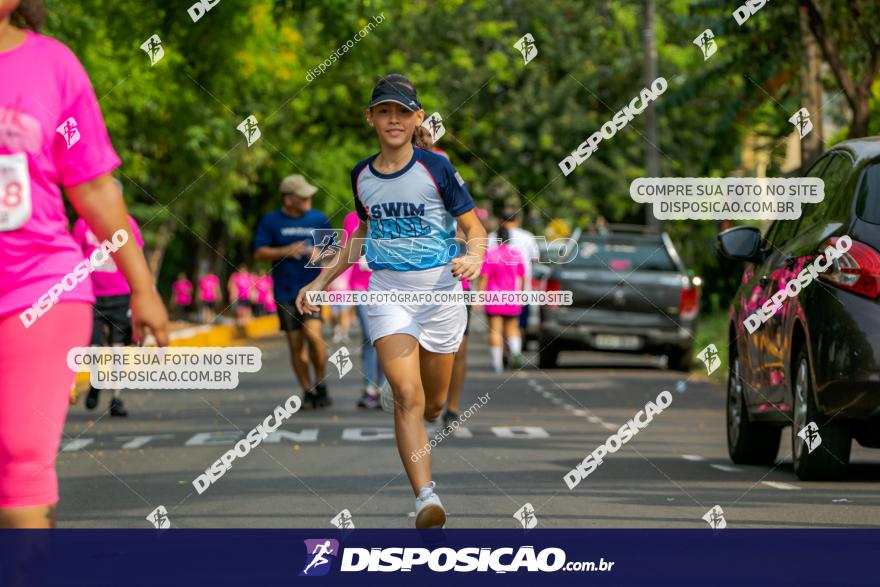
514,450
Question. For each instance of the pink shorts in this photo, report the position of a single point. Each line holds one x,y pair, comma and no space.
34,395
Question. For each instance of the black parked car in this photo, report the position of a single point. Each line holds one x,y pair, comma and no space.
630,293
817,359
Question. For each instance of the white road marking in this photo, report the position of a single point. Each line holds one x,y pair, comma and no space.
593,419
77,444
693,458
609,426
725,468
519,432
580,412
780,485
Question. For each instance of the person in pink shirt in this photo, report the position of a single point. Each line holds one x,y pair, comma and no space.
112,316
263,292
240,286
181,295
52,135
359,280
504,269
209,296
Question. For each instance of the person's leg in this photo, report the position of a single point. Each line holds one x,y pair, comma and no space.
295,342
495,342
119,333
399,356
100,330
514,340
34,386
459,368
436,373
317,348
368,352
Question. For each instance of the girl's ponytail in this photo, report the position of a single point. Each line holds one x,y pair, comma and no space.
422,138
30,15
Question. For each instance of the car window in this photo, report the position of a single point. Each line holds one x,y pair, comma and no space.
868,203
782,231
623,255
836,204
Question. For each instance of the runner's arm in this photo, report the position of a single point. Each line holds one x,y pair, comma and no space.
99,202
468,266
341,260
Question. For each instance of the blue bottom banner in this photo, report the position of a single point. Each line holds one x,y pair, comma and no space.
433,557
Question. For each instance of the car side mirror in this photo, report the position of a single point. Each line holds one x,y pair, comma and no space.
741,243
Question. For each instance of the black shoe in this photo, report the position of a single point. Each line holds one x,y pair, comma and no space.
323,400
310,398
448,418
92,398
116,407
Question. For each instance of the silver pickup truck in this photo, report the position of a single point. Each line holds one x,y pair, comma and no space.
630,293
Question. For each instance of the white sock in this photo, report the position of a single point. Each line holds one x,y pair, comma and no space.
496,352
514,343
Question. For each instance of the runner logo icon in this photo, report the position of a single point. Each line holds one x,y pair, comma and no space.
706,43
249,129
69,129
710,358
801,121
153,48
526,46
320,552
810,434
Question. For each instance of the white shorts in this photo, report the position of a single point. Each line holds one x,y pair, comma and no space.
439,329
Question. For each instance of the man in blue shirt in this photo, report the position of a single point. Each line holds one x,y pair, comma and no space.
285,238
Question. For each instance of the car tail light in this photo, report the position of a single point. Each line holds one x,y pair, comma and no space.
553,285
857,270
687,305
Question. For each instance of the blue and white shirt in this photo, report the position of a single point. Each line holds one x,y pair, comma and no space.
411,213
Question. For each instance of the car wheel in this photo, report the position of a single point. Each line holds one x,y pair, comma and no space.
680,359
548,355
829,459
748,443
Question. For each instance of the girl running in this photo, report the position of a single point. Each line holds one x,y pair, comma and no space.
504,270
408,201
45,88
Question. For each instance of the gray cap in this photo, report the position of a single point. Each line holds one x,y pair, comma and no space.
298,186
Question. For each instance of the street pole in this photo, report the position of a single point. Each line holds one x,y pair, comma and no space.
652,152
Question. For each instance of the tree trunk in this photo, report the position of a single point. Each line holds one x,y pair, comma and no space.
157,254
861,112
811,94
652,152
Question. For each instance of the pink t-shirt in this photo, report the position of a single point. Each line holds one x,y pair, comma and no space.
208,285
243,282
182,291
501,267
359,280
263,285
107,279
44,88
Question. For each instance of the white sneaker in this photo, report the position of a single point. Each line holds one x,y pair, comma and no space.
429,510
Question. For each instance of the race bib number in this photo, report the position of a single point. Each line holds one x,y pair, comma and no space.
15,191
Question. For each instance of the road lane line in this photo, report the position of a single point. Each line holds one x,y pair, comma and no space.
780,485
725,468
693,458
